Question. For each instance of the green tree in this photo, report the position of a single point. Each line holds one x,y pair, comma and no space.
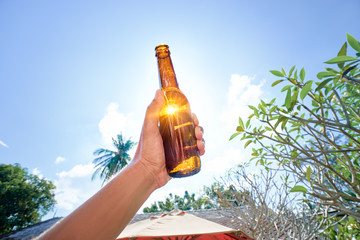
314,134
110,162
185,203
223,195
340,229
24,197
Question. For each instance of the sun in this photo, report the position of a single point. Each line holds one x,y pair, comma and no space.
171,109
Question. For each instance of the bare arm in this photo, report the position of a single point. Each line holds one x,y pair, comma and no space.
108,212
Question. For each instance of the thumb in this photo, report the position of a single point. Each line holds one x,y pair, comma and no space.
153,110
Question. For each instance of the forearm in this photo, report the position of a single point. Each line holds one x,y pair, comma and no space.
108,212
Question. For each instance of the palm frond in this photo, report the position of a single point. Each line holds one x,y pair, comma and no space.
109,162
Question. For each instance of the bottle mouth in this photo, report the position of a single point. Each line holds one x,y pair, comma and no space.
162,51
161,46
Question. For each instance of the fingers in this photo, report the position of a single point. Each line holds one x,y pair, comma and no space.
195,119
201,146
199,133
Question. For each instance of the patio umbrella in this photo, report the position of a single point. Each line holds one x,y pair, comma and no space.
179,226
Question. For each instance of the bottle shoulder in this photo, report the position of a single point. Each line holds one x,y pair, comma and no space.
174,94
171,89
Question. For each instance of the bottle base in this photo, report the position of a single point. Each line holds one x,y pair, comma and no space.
184,174
187,168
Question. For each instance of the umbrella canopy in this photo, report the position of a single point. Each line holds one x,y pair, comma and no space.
179,226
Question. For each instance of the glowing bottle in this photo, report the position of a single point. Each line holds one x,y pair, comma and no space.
176,125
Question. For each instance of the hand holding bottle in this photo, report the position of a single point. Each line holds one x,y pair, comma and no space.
150,151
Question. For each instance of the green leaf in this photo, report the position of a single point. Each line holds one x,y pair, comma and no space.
342,52
353,42
321,75
305,90
283,71
291,70
348,70
302,74
253,108
298,188
283,124
247,143
240,129
262,108
340,59
241,123
286,88
295,75
288,99
322,84
234,135
332,70
282,118
277,73
308,173
261,161
294,97
277,82
247,123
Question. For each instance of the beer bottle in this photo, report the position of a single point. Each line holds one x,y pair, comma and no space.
176,125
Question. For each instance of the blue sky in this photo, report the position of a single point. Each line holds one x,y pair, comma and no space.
73,74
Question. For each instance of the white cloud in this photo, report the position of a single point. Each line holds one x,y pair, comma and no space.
219,165
74,187
78,171
59,159
67,197
3,144
37,172
225,155
242,92
115,122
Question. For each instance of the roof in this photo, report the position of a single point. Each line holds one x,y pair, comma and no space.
30,232
221,216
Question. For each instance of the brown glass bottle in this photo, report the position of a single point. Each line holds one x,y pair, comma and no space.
176,125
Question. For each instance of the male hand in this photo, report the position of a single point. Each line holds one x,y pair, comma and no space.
150,150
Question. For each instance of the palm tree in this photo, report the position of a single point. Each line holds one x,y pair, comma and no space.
110,162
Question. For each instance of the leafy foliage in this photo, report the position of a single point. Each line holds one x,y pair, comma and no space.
24,197
265,206
340,228
110,162
185,203
314,133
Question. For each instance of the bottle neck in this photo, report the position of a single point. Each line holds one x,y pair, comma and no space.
166,69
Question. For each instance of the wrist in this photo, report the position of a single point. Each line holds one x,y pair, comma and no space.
146,173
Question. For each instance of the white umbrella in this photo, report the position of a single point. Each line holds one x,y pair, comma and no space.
179,226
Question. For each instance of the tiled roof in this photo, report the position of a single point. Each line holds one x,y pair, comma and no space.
30,232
